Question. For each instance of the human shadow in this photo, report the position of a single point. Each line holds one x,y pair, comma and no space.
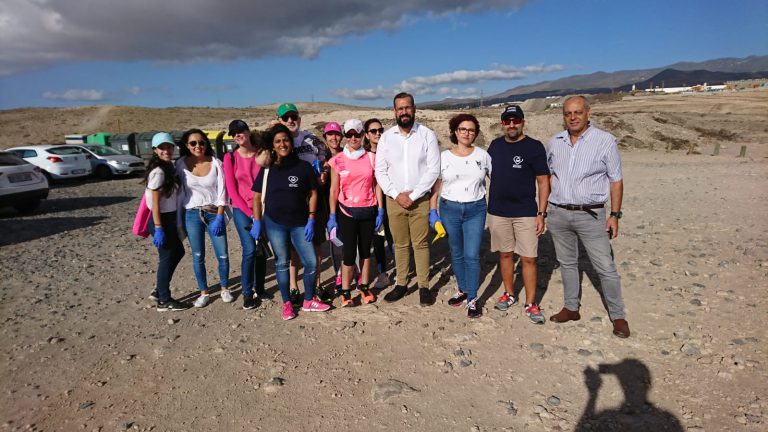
55,205
23,230
636,413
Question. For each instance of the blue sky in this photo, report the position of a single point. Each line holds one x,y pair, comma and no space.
234,53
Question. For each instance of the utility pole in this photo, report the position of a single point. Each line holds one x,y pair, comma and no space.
481,98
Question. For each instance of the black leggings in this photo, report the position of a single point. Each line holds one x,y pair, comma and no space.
356,235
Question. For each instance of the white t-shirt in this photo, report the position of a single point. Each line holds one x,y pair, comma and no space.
464,177
206,190
154,182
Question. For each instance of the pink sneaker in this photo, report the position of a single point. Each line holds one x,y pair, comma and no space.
314,305
288,312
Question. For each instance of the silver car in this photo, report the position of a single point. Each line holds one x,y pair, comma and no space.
22,185
107,162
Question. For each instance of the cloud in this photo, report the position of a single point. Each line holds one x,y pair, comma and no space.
89,95
43,32
439,84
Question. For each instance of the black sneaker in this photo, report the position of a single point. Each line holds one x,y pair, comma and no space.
457,299
296,297
172,305
326,295
473,309
249,303
396,294
153,295
425,297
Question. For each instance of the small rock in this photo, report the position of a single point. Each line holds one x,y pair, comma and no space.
465,363
741,419
553,400
510,406
537,347
127,425
86,404
695,302
751,418
446,366
172,321
738,341
583,352
389,388
597,319
690,350
657,262
273,384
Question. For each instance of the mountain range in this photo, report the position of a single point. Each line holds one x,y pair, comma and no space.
715,71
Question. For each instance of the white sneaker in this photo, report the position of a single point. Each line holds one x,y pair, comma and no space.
382,281
202,300
226,296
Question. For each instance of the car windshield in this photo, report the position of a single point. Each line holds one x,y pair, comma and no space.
10,159
64,150
102,150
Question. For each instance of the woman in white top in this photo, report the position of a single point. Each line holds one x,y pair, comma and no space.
201,205
461,191
160,196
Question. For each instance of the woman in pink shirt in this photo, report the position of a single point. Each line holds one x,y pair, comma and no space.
241,166
356,208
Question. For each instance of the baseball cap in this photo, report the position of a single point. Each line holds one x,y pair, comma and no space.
353,124
162,138
332,127
286,108
236,126
512,111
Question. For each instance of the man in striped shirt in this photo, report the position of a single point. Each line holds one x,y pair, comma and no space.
585,166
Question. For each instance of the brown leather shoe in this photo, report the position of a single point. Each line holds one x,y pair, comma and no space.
621,328
565,315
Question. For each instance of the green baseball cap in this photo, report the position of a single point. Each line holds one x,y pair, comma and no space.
286,108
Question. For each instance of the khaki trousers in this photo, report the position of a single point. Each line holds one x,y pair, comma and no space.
410,227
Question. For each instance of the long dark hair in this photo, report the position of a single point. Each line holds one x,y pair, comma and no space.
171,181
184,151
269,139
366,141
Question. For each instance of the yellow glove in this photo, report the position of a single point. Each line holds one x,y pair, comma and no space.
440,231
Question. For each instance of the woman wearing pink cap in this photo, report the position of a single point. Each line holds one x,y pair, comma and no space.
356,208
333,136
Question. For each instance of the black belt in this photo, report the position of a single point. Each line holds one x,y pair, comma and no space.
577,207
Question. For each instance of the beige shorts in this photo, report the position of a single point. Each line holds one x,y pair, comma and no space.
517,234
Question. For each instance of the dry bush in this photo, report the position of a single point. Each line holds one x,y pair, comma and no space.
719,134
677,143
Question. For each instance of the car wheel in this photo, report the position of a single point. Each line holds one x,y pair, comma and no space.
27,206
103,172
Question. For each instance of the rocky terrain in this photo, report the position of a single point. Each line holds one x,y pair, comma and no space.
82,348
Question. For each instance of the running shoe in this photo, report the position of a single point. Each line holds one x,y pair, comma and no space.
202,301
382,281
288,313
325,295
505,301
226,296
249,303
457,299
153,295
314,305
534,313
172,305
346,298
366,294
473,309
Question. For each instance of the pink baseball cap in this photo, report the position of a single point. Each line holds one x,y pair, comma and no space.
332,127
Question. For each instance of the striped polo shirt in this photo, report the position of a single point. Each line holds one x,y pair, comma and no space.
582,173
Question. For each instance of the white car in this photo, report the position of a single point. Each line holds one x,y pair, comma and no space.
58,162
107,162
22,185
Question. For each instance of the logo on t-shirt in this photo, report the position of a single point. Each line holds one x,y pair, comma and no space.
293,180
517,160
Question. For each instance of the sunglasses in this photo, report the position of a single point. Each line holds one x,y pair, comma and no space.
353,134
376,131
289,117
196,143
513,120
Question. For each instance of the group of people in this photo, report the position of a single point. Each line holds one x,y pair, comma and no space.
288,192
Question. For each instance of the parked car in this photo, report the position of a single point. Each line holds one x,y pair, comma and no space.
107,162
22,185
56,161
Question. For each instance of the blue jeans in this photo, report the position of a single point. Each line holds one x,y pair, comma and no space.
253,268
281,237
464,223
196,229
170,254
567,228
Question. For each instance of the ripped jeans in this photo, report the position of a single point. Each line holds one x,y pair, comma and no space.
281,237
196,229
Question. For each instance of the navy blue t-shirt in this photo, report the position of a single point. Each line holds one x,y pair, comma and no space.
288,191
513,179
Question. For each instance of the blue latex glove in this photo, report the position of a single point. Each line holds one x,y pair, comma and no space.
256,229
158,238
309,229
379,219
433,218
217,226
331,224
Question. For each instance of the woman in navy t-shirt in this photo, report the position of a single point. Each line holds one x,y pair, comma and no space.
289,215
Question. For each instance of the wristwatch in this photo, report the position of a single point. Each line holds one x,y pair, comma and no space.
616,214
542,214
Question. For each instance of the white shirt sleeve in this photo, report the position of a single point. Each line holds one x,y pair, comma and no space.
382,169
432,170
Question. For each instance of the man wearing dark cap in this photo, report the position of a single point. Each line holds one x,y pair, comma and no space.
515,219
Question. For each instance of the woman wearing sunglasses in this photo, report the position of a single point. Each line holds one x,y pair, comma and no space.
356,210
373,131
461,192
202,201
290,205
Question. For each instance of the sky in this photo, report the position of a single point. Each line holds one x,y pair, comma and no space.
238,53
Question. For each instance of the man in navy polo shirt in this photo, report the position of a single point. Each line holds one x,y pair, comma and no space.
514,218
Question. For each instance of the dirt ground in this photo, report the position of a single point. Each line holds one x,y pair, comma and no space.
82,347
